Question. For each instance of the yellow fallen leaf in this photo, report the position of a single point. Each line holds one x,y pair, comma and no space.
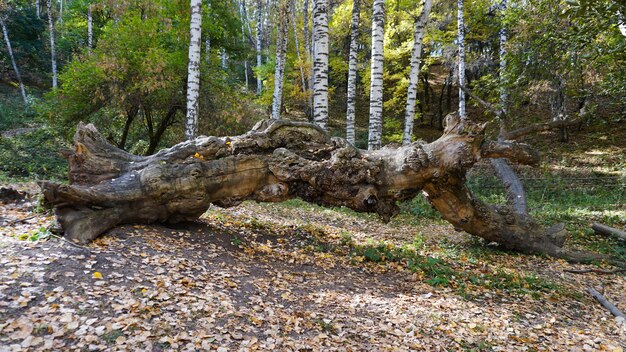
97,275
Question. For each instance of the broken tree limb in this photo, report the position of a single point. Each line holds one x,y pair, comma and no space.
605,303
278,160
608,231
540,127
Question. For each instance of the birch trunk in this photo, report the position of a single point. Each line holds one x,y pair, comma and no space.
223,58
320,63
307,37
60,19
242,10
207,50
416,58
281,51
193,69
351,97
89,29
297,42
259,42
461,43
38,8
621,23
515,194
15,69
53,56
376,87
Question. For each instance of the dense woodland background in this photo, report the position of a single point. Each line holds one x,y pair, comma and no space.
294,275
128,73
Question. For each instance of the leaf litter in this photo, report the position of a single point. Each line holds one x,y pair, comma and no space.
271,277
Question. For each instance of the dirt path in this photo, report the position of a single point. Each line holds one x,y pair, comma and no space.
230,282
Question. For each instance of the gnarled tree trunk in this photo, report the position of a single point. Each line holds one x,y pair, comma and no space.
279,160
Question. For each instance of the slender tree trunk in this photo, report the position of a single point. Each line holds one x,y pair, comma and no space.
242,10
89,29
308,48
515,194
223,58
259,43
461,43
38,8
60,19
320,63
297,42
351,97
376,87
15,69
558,108
621,23
53,56
281,51
193,69
416,60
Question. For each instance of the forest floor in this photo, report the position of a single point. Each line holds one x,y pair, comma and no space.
291,276
295,276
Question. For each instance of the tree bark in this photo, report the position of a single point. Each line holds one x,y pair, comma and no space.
376,85
281,53
461,43
609,231
352,58
416,58
259,46
297,42
53,56
13,62
193,69
279,160
89,29
320,63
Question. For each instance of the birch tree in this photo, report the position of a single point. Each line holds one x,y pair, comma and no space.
297,42
376,86
259,47
89,29
461,43
13,62
37,8
418,35
351,97
242,10
53,56
320,63
281,52
516,196
193,69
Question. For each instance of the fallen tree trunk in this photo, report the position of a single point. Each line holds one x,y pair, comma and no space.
279,160
608,231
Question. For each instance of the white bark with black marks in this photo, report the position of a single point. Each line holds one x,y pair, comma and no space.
193,69
352,72
259,46
281,53
297,42
461,44
244,37
376,86
38,8
53,55
89,29
13,62
416,60
320,63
